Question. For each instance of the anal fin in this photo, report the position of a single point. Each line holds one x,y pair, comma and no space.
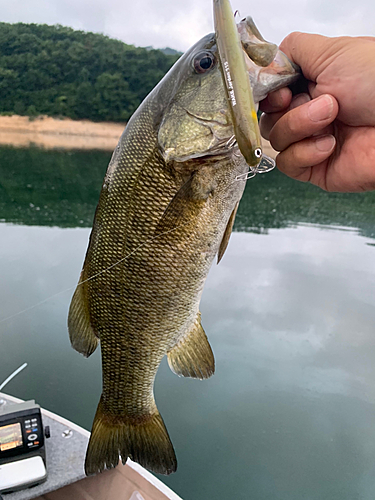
193,356
81,333
227,233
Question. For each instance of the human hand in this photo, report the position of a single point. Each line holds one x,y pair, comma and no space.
326,137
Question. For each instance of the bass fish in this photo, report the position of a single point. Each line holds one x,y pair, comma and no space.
166,209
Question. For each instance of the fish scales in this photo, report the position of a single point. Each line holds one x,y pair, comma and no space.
166,207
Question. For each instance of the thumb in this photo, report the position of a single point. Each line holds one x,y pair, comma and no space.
311,52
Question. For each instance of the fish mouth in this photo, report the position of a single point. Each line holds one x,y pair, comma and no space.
280,73
222,140
268,67
268,70
221,149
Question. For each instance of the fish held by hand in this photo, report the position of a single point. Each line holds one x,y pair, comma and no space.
166,209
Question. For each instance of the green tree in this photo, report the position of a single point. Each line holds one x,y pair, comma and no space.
60,71
113,98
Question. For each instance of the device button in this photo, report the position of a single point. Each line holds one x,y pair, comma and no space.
36,429
27,421
32,437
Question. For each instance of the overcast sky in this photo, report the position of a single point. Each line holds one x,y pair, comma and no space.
179,24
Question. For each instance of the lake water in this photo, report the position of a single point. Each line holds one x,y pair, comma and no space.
290,314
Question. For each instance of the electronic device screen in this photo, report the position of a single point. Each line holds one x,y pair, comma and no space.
10,437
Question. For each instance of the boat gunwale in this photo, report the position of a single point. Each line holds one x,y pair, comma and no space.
148,476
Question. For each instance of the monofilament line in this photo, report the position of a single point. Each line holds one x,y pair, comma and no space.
92,277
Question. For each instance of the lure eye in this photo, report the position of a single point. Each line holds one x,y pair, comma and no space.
258,153
203,62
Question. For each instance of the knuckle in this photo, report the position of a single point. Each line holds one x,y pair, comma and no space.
293,157
293,123
290,40
280,163
265,125
274,141
290,37
292,163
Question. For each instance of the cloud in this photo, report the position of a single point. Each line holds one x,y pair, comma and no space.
170,26
180,25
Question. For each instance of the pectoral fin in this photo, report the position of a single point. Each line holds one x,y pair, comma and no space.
81,333
193,356
227,233
185,205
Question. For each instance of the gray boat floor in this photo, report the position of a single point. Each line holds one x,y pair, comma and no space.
64,457
66,477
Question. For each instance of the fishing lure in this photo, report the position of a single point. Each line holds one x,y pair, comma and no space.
238,89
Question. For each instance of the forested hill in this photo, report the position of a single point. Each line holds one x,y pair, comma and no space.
58,71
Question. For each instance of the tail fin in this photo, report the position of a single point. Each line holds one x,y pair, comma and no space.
145,441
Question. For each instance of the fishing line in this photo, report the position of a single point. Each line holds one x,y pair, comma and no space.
94,276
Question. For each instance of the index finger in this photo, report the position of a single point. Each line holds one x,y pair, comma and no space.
303,121
276,101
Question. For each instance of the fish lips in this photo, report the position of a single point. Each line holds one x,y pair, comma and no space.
187,134
280,73
221,148
268,67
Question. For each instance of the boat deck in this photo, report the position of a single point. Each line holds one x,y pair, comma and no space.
65,454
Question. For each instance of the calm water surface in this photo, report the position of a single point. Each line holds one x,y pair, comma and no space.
290,314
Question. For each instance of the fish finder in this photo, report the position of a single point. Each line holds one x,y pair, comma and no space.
22,449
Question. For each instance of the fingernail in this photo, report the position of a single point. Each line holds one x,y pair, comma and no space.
325,143
299,99
320,108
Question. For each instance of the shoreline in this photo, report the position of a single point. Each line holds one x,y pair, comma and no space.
52,133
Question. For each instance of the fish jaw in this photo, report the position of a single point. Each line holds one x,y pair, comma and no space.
194,136
255,46
268,67
280,73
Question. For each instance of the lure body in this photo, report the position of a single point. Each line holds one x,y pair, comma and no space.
237,83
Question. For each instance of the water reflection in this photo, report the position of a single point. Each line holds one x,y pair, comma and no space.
289,311
275,201
61,188
290,412
50,188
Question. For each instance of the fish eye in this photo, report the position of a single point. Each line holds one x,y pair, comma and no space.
203,62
